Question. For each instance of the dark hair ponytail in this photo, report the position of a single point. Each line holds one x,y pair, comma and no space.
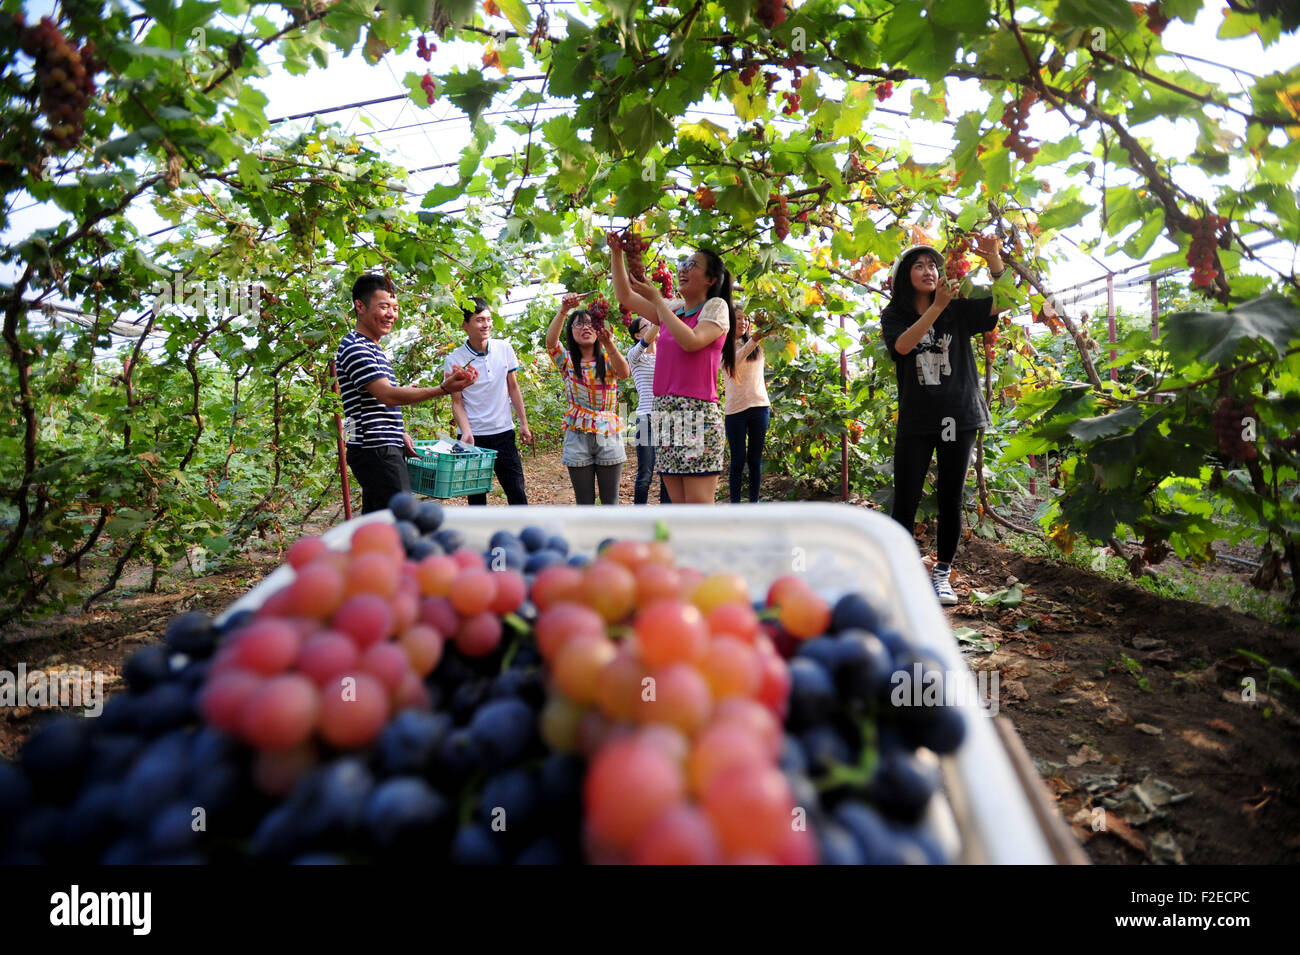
721,288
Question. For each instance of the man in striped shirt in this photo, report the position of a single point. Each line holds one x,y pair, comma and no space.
372,399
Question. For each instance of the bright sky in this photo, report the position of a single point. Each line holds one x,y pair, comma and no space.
415,136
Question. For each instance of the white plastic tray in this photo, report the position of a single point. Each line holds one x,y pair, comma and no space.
839,549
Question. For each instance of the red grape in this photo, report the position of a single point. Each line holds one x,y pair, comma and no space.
479,635
266,646
281,713
630,783
365,618
326,655
354,708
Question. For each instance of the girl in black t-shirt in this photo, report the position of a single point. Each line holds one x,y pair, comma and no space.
940,402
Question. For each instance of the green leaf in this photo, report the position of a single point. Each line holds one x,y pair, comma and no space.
471,93
974,639
1138,243
1116,14
1090,429
1212,338
970,16
928,104
516,11
1066,210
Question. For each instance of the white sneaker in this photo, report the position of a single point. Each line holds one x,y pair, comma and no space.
943,587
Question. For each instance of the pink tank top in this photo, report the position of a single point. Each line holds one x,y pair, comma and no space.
688,374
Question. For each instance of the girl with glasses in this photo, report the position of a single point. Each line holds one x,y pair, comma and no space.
593,433
696,330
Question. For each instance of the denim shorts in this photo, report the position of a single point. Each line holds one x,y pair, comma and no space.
582,448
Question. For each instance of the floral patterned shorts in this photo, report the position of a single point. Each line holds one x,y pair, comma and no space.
689,436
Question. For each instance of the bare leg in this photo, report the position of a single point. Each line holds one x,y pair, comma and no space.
699,489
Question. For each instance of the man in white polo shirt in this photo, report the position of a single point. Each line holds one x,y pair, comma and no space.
482,411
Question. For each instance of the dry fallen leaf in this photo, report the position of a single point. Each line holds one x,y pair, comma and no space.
1117,827
1013,691
1086,754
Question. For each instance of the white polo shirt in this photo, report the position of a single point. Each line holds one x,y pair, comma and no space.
487,401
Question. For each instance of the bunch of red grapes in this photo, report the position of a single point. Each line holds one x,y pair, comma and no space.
780,218
1201,255
770,12
634,249
990,341
430,87
1014,117
885,90
625,315
957,265
424,49
469,370
748,74
66,78
681,721
1229,423
791,103
664,276
599,311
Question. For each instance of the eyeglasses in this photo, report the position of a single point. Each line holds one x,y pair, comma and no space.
580,322
686,265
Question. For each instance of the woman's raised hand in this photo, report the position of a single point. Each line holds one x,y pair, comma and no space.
646,289
614,241
987,246
570,302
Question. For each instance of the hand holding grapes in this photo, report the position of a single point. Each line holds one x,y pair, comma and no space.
944,292
570,302
647,290
459,379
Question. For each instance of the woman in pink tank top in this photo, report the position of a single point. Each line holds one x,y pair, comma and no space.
696,330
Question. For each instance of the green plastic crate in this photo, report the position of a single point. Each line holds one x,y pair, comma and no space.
443,474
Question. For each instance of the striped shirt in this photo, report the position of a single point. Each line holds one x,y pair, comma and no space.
369,423
593,404
642,363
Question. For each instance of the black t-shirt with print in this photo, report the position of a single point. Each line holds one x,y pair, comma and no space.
937,379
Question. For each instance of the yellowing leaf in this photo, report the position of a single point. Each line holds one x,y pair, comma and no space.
704,132
1060,536
1290,97
812,298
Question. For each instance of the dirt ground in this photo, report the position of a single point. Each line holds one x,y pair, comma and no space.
1127,701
